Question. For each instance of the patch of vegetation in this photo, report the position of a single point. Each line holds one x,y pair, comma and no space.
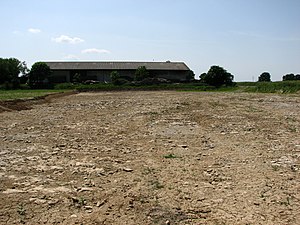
25,94
291,76
66,86
148,171
38,75
21,210
138,87
141,73
170,156
275,167
264,77
275,87
79,202
156,184
10,69
217,76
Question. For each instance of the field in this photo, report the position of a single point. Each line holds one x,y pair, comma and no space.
146,157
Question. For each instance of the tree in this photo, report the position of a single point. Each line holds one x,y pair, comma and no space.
10,69
217,76
190,76
38,75
77,78
264,77
290,76
202,77
141,73
114,76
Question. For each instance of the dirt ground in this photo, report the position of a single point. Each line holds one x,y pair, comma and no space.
152,158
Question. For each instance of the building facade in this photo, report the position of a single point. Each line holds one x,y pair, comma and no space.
100,71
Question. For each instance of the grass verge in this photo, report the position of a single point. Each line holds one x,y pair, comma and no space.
282,87
25,94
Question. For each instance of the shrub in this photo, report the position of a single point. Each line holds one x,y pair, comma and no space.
264,77
141,73
68,86
38,76
217,76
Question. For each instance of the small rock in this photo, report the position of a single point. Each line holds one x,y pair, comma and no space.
99,204
40,201
53,202
88,207
127,169
85,189
168,222
74,216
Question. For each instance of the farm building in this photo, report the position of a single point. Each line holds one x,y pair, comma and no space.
100,71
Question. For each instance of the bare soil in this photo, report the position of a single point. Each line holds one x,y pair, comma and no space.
152,158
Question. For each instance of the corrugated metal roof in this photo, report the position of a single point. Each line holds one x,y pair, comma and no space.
117,65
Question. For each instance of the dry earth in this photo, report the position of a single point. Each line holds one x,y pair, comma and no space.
152,158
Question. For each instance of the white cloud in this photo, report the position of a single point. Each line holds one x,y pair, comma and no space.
95,50
67,39
71,57
34,30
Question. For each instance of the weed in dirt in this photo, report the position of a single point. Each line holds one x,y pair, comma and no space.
82,201
148,171
79,202
292,129
287,202
21,210
275,167
156,184
170,156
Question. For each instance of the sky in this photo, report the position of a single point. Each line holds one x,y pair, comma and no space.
244,37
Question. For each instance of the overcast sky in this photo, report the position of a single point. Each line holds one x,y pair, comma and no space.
246,37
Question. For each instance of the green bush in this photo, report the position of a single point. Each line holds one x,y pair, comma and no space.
67,86
141,73
276,87
264,77
38,75
217,76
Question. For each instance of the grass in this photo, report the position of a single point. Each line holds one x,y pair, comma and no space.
21,210
281,87
170,156
156,184
24,94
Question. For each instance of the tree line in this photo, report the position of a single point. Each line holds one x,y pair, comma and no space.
10,71
14,72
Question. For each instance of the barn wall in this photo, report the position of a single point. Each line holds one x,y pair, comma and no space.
60,76
173,75
99,75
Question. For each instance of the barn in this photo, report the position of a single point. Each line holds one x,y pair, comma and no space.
100,71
